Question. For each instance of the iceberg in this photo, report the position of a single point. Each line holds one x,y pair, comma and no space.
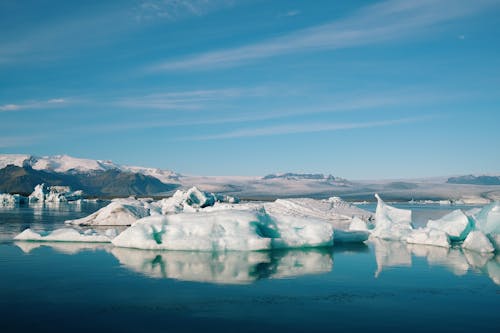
66,235
43,193
239,230
456,224
201,231
477,241
11,200
192,200
428,236
391,223
488,219
118,212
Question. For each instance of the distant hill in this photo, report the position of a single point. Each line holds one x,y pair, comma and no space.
475,180
113,182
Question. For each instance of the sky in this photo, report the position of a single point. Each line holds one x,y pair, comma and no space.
357,89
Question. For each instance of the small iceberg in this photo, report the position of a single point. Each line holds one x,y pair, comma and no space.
391,223
479,242
428,236
455,224
67,235
119,212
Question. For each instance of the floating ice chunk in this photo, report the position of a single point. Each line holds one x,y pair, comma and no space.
428,236
338,212
43,193
391,223
456,224
488,218
200,231
118,212
11,200
477,241
192,200
358,224
495,241
63,235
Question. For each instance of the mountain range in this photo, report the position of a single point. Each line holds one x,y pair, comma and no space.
19,173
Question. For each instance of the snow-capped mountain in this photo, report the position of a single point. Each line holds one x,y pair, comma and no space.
69,164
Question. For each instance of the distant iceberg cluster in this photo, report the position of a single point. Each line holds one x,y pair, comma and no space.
202,221
42,194
196,220
477,230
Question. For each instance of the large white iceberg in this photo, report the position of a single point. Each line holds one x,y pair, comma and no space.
391,223
67,235
478,241
118,212
428,236
229,230
456,224
241,230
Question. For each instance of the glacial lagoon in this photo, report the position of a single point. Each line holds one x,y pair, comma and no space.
383,285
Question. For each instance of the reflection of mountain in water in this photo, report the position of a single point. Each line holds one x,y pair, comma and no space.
457,260
225,267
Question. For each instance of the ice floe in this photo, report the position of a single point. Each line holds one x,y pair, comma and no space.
43,193
118,212
428,236
455,224
67,235
11,200
478,241
391,223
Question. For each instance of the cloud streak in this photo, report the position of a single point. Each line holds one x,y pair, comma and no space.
303,128
386,21
55,102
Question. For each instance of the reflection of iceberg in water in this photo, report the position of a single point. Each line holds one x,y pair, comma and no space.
63,247
225,267
457,260
390,254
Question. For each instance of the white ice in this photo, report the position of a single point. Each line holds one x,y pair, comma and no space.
65,235
478,241
118,212
43,193
391,223
456,224
488,218
11,200
428,236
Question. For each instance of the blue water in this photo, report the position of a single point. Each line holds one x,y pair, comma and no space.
382,286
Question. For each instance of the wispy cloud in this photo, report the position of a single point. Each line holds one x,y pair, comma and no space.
188,100
55,102
177,9
385,21
291,13
302,128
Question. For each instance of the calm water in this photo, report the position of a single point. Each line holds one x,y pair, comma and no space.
382,286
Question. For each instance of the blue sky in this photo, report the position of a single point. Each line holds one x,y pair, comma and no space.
357,89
